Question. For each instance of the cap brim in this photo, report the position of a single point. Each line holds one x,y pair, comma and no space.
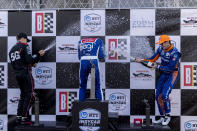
28,40
159,42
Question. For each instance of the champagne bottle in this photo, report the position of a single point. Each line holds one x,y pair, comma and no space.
147,64
144,62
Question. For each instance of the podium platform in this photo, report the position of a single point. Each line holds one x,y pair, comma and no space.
132,127
45,126
90,115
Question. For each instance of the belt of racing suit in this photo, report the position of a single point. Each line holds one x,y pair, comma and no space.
168,72
88,57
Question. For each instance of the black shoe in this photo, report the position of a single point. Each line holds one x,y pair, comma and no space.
18,120
26,121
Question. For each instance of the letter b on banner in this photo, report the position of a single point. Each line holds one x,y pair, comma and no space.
63,102
188,75
113,47
39,22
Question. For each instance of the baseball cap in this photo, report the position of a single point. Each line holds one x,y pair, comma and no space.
163,38
22,35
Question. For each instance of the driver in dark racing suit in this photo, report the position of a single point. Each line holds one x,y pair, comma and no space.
169,69
22,62
89,50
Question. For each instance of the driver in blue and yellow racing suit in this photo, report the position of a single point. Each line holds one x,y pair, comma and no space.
169,69
89,51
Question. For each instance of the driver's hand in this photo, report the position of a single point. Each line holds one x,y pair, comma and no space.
139,60
41,52
154,66
34,65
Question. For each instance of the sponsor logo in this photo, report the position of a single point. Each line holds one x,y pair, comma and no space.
43,75
142,75
67,48
2,24
89,119
89,40
92,22
143,23
44,23
66,100
119,49
191,125
140,121
1,124
190,22
14,100
137,121
190,75
86,46
167,54
113,45
117,101
2,75
63,101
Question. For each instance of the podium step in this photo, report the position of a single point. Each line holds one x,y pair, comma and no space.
44,126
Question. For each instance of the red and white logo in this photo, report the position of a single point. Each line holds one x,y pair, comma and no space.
137,121
113,45
188,77
89,40
39,22
63,100
44,22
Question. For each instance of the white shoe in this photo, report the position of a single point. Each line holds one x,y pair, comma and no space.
158,121
166,120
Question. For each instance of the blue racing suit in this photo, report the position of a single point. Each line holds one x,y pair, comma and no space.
169,74
89,50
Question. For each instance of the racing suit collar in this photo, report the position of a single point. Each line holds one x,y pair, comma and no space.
22,43
171,46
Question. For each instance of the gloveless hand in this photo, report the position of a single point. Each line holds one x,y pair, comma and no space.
139,60
154,66
34,65
41,52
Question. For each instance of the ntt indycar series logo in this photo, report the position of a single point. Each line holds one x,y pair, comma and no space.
43,75
89,119
117,101
92,22
191,125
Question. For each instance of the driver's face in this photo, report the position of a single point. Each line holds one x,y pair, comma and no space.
23,40
165,45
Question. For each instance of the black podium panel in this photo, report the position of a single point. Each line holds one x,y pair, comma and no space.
90,115
45,126
132,127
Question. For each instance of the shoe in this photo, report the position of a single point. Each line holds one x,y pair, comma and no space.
166,120
158,121
18,120
26,121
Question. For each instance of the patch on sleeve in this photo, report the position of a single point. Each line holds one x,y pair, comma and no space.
174,57
28,50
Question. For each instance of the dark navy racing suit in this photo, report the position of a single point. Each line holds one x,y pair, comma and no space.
22,61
